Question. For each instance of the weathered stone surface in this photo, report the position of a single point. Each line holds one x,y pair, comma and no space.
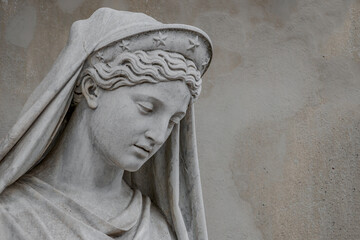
278,120
105,146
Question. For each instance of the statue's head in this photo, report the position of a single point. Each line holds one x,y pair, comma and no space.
134,100
137,84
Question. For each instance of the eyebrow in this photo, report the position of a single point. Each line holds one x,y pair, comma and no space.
180,114
154,99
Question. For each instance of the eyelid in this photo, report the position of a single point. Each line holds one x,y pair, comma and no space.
175,120
146,106
171,123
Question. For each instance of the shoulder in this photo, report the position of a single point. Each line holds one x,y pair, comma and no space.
13,210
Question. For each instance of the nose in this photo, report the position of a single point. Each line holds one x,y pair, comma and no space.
157,132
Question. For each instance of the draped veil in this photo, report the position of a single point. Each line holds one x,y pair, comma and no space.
170,178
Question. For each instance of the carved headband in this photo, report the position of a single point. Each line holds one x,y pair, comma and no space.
189,41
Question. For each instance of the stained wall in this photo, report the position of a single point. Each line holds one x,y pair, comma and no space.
278,122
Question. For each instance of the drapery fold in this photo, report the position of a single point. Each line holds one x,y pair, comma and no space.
31,202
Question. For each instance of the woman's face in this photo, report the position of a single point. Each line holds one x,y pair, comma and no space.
131,123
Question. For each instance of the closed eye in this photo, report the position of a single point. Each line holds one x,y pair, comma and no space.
173,121
176,118
146,107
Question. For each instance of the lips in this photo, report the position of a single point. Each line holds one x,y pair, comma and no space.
145,148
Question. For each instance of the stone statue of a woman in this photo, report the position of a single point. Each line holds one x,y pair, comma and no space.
105,146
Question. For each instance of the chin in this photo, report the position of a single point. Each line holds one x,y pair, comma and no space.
131,164
132,169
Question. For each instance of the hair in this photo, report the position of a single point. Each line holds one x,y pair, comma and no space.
132,68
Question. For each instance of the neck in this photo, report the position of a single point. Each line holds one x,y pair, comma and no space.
75,166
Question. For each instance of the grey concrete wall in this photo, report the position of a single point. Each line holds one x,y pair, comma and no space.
278,121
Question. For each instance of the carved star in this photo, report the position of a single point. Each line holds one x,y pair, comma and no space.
194,43
100,56
124,45
160,40
205,63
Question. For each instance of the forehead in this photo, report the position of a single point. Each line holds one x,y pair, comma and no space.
172,93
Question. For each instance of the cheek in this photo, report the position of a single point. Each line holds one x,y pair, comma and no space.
167,135
109,128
